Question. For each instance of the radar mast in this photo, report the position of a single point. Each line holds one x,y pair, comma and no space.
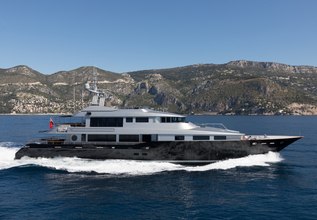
98,98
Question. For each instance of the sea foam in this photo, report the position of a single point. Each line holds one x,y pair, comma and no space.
126,167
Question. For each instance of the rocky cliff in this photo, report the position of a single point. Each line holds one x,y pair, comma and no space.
237,87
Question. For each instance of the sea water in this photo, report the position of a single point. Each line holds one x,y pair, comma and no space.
273,185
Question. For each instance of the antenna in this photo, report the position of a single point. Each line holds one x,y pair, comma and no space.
98,95
93,88
74,99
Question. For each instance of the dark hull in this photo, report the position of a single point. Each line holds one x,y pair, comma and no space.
175,151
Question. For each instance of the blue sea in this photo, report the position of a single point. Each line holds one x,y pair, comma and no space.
270,186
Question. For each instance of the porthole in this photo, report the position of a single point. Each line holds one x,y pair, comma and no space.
74,138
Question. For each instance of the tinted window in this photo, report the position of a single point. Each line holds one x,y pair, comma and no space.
141,119
172,119
200,137
106,122
178,119
146,138
129,120
220,138
83,137
101,137
129,138
179,137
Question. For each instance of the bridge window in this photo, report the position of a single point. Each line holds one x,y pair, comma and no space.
172,119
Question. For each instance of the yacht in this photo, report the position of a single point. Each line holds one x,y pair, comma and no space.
145,134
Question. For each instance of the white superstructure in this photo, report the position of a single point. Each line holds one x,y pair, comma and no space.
110,124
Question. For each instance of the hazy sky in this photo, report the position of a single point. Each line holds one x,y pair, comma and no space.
127,35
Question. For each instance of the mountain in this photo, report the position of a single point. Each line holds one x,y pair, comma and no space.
237,87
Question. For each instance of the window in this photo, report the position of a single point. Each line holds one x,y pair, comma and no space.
74,137
129,120
179,137
142,119
146,138
83,137
106,122
129,138
220,138
172,119
200,138
101,137
178,119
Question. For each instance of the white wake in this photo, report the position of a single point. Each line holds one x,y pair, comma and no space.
126,167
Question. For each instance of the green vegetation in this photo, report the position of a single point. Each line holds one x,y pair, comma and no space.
238,87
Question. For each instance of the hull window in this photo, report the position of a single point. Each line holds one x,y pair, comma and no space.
179,138
200,138
146,138
217,138
128,138
101,137
74,137
83,137
106,122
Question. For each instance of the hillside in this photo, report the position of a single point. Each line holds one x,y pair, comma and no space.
237,87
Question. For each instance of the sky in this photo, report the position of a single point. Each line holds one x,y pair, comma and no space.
129,35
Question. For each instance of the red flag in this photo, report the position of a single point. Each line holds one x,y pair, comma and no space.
51,123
